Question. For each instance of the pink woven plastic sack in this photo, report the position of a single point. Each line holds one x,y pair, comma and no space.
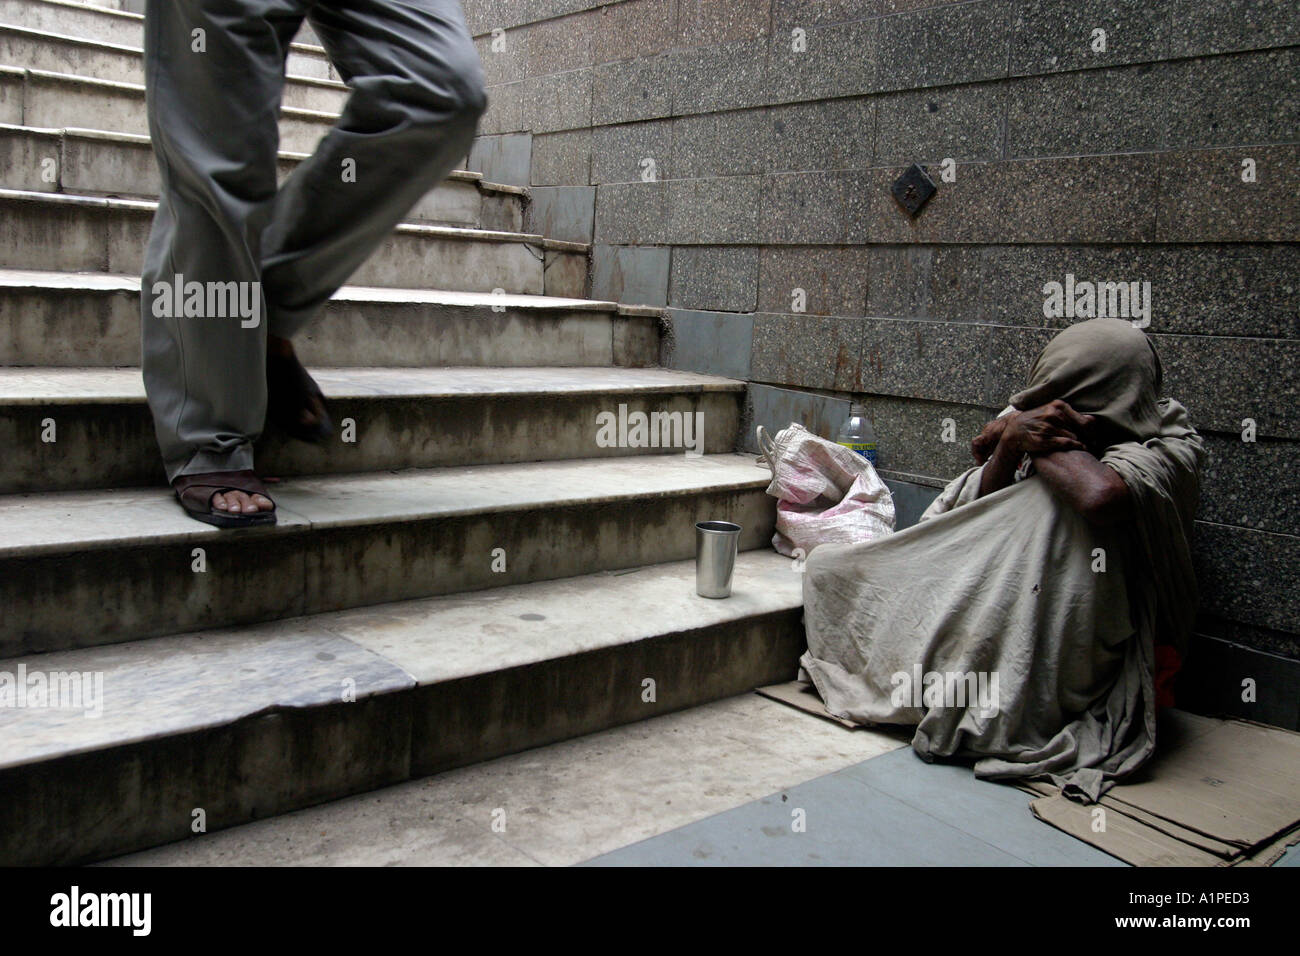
825,492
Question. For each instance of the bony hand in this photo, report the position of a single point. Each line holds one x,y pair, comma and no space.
983,444
1046,429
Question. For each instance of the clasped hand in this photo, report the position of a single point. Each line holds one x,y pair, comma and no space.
1037,431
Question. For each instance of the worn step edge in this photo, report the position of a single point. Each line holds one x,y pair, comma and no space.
44,386
86,568
59,138
325,117
423,638
135,52
102,282
92,319
434,684
146,206
93,9
387,418
136,139
46,524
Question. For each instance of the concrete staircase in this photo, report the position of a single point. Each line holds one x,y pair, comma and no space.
474,573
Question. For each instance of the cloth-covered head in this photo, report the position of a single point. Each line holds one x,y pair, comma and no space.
1105,368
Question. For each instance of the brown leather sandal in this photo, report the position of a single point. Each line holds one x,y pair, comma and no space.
195,492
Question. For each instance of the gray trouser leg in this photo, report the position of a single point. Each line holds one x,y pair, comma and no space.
417,93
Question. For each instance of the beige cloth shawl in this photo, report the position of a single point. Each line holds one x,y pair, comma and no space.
1031,630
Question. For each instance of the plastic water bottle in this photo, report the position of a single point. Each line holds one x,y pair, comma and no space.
856,434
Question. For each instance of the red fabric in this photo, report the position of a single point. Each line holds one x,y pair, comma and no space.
1167,664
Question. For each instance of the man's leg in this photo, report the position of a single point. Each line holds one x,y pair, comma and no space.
214,72
417,94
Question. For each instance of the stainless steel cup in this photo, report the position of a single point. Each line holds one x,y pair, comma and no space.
716,543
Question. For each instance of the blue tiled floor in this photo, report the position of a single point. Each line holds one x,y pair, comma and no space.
892,810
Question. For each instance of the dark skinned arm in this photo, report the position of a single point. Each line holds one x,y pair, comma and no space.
999,468
1053,436
1037,431
984,444
1093,489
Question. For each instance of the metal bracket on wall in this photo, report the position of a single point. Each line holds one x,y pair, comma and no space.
913,189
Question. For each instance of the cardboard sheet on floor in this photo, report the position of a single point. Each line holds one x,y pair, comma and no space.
1217,793
1270,852
801,695
1135,842
1119,835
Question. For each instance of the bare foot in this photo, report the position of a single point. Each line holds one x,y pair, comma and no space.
240,502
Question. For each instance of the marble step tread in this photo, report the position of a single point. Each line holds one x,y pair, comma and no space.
302,102
108,386
123,24
136,140
147,206
52,98
80,47
193,682
103,282
387,418
77,522
79,318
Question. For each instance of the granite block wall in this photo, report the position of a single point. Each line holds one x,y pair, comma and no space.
731,161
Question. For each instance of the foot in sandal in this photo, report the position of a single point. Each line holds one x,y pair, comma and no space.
293,399
226,499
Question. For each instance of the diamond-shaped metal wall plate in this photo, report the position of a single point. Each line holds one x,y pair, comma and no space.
913,189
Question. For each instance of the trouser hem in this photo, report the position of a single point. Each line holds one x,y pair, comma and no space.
239,458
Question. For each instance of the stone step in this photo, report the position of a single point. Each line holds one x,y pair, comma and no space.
41,98
85,568
54,231
57,52
96,163
231,726
89,20
110,24
95,22
401,418
93,319
304,35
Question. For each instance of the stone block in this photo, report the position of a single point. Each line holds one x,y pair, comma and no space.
827,280
963,123
717,343
562,159
721,278
963,43
630,90
627,152
635,275
562,212
808,350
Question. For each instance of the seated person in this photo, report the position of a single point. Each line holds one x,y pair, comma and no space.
1054,574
